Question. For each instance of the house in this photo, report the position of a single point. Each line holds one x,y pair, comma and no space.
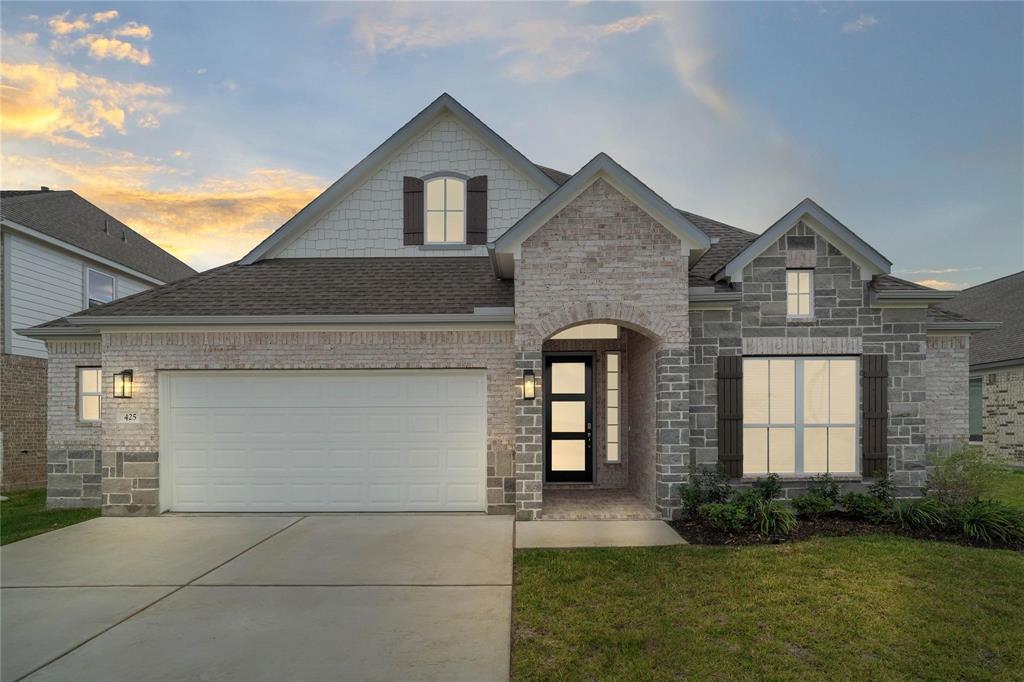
996,364
452,327
60,254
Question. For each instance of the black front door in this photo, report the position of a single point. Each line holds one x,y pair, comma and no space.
568,418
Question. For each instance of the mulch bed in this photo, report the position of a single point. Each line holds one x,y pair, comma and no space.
829,525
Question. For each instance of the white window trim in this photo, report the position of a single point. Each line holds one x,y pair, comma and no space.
618,407
810,294
465,206
85,292
82,394
798,415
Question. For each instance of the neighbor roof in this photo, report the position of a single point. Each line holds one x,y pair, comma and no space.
319,287
65,216
1001,300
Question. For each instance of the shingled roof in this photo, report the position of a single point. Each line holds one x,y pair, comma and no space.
322,286
68,217
1001,300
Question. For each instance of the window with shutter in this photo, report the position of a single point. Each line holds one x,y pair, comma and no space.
730,414
476,210
875,414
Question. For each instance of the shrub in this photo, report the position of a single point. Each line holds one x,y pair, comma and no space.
706,487
772,517
963,477
926,513
824,486
882,491
865,507
727,517
767,488
991,522
812,505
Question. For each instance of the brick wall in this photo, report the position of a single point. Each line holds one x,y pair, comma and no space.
640,434
946,375
369,221
23,421
1002,418
130,452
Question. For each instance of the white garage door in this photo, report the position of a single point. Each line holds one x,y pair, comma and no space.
376,440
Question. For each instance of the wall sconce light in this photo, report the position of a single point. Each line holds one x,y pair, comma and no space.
529,385
123,384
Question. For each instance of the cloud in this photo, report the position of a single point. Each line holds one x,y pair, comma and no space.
945,285
229,85
51,101
860,24
28,38
692,56
60,25
101,47
939,271
201,70
103,17
133,30
148,120
182,154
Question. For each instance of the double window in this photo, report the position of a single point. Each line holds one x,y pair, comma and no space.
799,415
799,293
90,382
446,210
99,287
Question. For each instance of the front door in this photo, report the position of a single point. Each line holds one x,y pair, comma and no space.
568,418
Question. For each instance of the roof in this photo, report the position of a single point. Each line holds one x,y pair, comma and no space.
320,286
1001,300
891,283
65,216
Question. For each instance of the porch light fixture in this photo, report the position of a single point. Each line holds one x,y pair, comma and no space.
123,384
529,385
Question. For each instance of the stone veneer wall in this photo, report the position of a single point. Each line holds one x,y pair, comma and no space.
844,323
74,457
946,408
602,258
1002,417
130,482
23,421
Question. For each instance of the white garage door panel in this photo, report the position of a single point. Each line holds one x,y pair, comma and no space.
376,440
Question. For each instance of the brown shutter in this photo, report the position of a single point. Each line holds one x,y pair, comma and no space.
412,208
874,371
730,414
476,210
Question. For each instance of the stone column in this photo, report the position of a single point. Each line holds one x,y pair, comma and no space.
529,462
672,428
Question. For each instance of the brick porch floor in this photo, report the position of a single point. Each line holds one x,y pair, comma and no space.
593,504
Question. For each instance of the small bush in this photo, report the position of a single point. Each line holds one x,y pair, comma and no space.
706,487
728,518
864,507
812,505
926,513
772,517
767,488
963,477
991,522
882,490
824,486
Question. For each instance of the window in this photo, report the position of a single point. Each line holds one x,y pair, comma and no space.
974,409
799,415
90,382
613,454
99,287
589,331
799,297
446,211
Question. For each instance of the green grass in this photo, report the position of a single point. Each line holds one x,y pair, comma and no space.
875,607
24,514
1010,488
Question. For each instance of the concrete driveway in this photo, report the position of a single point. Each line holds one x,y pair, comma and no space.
332,597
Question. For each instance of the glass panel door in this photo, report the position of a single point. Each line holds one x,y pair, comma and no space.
568,418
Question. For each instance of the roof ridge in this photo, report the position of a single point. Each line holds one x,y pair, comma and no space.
993,281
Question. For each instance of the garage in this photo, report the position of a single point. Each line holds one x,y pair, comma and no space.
330,441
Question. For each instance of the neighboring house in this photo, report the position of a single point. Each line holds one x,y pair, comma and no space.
997,364
60,254
452,327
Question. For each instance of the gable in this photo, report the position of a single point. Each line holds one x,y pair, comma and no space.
361,213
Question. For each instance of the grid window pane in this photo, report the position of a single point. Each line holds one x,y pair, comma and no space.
101,287
613,452
815,450
613,415
755,451
90,408
842,449
435,226
843,391
792,304
782,450
613,398
435,194
755,391
90,381
455,194
816,391
455,230
782,389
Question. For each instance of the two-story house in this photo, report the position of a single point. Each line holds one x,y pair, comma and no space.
452,327
60,254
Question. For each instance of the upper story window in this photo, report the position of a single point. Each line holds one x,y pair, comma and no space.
99,287
799,293
446,210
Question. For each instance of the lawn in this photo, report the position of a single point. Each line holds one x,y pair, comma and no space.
874,607
1010,488
25,514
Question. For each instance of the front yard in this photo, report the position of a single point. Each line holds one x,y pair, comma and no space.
875,607
24,514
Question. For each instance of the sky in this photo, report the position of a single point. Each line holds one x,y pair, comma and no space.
206,125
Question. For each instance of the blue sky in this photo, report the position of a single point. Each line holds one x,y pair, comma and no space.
206,125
